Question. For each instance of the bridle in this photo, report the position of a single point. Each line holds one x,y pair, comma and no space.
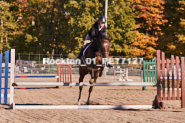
106,52
105,45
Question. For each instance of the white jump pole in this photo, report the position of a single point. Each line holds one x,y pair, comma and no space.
127,79
12,72
120,75
85,107
84,84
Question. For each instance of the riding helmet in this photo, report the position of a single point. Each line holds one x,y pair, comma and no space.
102,19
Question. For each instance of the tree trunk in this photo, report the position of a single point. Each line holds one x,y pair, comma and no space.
2,35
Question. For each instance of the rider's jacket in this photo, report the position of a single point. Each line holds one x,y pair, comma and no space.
95,30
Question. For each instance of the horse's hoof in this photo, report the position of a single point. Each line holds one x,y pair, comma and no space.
78,103
91,81
87,103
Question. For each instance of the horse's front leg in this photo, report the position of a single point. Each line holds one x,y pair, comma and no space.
91,81
82,74
79,98
91,87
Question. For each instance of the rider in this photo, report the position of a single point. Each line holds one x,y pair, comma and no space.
97,27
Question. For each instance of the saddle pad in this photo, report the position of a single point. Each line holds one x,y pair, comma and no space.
86,48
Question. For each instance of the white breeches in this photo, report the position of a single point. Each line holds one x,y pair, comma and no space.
87,40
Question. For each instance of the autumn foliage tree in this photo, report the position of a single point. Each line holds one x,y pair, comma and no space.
137,27
180,43
149,19
173,40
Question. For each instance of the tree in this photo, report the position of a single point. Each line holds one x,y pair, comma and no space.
149,20
83,14
44,27
7,26
121,26
173,40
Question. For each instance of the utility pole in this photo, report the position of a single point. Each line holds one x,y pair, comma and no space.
106,6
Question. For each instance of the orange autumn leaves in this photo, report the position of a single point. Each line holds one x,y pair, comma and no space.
144,45
149,19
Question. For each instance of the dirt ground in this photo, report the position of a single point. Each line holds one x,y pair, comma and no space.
110,95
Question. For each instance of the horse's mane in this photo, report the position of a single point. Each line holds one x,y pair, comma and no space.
104,37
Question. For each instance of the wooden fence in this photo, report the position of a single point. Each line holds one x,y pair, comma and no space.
171,86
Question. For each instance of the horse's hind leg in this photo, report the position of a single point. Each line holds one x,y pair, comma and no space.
82,74
91,87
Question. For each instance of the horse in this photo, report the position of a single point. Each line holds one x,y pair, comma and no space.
97,49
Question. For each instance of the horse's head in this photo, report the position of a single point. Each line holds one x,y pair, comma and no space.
103,45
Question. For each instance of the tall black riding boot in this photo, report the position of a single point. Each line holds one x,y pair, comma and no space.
81,52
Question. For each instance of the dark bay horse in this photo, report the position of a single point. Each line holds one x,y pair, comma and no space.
98,49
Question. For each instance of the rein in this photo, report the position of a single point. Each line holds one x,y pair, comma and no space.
91,46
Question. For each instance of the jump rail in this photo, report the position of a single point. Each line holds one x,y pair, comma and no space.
83,84
31,76
85,107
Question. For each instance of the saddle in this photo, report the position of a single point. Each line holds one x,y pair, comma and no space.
83,58
85,48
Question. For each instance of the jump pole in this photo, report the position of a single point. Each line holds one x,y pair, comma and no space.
83,84
31,76
12,74
35,87
84,107
6,65
1,60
